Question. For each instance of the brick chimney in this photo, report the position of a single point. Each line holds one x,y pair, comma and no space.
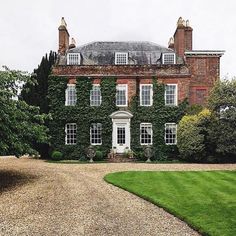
63,37
183,37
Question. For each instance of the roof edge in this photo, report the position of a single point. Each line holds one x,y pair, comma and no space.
205,52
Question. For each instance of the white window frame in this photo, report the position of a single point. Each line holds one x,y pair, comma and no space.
95,105
70,102
145,124
117,54
176,95
73,140
141,97
126,94
91,134
73,59
168,54
176,127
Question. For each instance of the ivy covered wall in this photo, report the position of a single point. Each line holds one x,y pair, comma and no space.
83,115
158,114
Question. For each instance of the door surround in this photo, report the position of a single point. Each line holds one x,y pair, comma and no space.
121,130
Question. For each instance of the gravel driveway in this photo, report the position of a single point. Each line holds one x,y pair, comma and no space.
69,199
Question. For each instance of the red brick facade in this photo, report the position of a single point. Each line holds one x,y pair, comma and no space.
194,76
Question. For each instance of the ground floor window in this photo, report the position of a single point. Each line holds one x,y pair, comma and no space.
170,133
70,130
145,133
96,134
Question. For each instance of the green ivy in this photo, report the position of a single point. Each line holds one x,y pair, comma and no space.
84,115
158,114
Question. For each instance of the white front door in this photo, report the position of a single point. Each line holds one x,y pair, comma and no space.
121,136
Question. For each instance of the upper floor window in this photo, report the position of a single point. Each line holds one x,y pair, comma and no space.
170,133
168,58
70,95
146,134
121,58
146,94
70,130
96,134
200,96
95,95
171,94
121,95
73,59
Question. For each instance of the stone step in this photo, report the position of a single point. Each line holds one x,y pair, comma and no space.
120,158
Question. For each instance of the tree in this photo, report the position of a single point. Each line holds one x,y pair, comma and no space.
20,124
37,94
222,131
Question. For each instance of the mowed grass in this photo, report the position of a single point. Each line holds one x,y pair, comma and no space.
206,200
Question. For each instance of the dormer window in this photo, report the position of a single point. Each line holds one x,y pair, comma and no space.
73,59
168,58
121,58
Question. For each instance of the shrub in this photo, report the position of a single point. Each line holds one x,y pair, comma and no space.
140,156
75,154
57,156
98,156
192,135
83,158
194,109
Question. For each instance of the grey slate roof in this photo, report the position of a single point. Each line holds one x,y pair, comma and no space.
103,53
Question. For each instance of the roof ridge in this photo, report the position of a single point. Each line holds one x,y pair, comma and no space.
149,43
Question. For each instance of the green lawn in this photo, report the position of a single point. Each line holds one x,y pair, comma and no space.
206,200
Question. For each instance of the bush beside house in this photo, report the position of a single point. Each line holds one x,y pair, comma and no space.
210,135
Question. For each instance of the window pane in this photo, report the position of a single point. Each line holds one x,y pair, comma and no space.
146,134
121,99
146,95
170,133
121,58
70,130
170,94
96,133
71,97
95,96
121,135
73,59
169,58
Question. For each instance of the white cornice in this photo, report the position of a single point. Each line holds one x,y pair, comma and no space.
206,52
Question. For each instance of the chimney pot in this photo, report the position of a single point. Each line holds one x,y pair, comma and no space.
187,23
72,44
63,22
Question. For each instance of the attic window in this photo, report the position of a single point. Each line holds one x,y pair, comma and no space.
121,58
73,59
168,58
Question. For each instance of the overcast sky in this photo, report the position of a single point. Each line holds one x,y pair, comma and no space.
29,29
